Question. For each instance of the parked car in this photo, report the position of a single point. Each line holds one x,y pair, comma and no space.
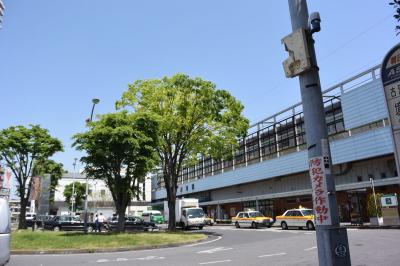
209,221
153,216
67,223
5,232
253,219
132,223
296,218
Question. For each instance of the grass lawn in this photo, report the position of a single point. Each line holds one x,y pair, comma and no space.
48,240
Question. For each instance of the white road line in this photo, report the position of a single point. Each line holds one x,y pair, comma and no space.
308,233
121,259
202,243
102,260
308,249
270,255
213,262
213,250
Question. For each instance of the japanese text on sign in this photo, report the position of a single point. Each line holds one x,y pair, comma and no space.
319,190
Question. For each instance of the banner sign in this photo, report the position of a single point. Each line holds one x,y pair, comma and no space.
319,191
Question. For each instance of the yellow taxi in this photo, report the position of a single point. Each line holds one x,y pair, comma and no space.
253,219
300,218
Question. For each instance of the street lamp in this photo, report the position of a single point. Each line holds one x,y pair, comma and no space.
94,101
73,187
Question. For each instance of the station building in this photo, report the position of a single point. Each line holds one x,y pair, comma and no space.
269,171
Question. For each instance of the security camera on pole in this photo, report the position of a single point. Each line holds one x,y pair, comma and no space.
333,247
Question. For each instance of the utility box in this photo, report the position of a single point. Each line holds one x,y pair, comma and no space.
390,209
299,59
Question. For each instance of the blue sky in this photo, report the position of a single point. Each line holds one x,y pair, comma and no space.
55,56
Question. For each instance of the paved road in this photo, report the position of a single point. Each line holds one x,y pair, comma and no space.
230,246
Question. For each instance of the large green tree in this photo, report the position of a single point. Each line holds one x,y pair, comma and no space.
120,150
20,147
195,119
80,190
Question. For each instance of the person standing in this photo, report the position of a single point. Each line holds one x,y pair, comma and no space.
101,219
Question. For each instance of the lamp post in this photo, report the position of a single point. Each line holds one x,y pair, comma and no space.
73,187
94,101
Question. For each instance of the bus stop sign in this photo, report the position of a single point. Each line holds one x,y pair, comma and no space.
390,76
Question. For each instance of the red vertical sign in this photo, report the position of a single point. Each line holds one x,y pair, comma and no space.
319,191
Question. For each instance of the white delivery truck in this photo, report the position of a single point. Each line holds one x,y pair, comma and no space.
187,213
5,230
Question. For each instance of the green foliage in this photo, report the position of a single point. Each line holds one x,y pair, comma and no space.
20,147
80,190
396,6
120,150
195,119
371,207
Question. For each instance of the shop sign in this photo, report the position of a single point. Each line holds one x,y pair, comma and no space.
389,200
319,190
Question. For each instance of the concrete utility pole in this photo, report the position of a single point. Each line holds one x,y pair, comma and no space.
333,247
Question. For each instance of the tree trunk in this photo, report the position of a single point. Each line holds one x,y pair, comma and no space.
22,213
172,217
121,218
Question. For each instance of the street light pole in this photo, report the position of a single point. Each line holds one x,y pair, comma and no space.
94,101
73,186
333,247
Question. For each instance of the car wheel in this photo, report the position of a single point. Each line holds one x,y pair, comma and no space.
310,225
284,226
237,225
254,225
56,229
200,227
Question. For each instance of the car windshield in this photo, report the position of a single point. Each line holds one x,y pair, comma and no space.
307,212
195,213
256,214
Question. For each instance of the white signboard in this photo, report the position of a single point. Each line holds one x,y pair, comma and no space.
389,200
319,191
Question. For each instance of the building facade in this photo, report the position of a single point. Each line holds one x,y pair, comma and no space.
269,171
100,198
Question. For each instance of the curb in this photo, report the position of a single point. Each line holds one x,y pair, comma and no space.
103,250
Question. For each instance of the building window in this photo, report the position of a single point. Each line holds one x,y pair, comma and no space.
359,179
187,188
383,175
192,186
181,189
103,192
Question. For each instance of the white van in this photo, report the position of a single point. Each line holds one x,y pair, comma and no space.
5,232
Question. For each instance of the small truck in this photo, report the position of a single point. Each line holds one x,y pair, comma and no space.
188,214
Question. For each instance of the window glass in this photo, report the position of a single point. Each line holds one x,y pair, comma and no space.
240,215
297,213
246,215
289,213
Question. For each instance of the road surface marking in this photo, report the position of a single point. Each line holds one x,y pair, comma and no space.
202,243
270,255
213,262
213,250
308,249
308,233
150,258
102,260
121,259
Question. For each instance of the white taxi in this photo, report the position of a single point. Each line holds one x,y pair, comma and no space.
296,218
253,219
